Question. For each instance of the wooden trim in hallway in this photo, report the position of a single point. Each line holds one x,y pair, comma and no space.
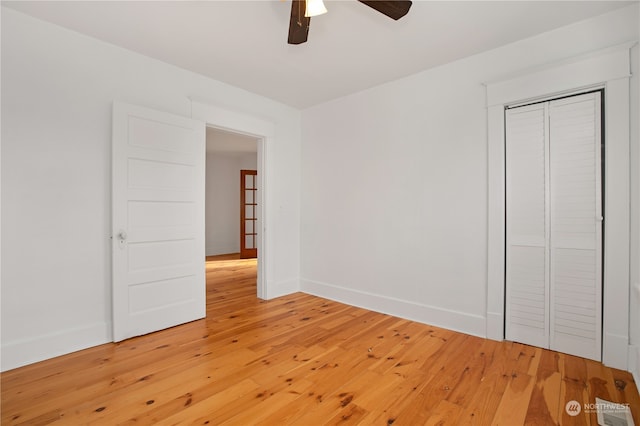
303,360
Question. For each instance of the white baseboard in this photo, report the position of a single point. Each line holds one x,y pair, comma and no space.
28,351
452,320
216,250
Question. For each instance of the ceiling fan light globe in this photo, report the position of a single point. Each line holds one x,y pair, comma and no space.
314,8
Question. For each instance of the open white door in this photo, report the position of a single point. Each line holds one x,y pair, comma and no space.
158,220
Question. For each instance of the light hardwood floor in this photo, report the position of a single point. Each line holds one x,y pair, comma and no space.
303,360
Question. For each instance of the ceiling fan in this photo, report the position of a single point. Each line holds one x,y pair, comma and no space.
299,23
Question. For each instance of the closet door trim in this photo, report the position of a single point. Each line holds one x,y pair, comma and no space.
608,69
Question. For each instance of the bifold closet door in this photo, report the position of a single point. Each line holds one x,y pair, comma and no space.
576,226
527,252
554,225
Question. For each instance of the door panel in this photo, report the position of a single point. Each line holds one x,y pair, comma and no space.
576,227
527,310
158,220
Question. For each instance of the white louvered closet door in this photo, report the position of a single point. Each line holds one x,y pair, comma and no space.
576,226
554,225
527,293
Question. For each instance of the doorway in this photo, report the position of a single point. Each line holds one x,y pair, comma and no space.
264,132
228,154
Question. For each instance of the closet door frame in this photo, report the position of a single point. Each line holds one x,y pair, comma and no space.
609,70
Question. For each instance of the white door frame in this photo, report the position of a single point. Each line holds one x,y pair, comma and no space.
264,131
609,69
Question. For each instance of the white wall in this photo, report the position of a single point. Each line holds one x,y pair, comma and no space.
394,206
222,211
634,299
57,91
393,195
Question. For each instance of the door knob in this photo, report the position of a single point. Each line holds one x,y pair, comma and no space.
122,239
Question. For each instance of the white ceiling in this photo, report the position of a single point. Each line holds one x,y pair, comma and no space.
351,48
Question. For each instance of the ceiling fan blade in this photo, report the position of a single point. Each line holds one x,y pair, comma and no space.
298,23
393,9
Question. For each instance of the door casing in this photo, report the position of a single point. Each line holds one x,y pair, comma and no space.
264,132
608,69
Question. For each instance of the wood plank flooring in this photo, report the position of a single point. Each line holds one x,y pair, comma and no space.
303,360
